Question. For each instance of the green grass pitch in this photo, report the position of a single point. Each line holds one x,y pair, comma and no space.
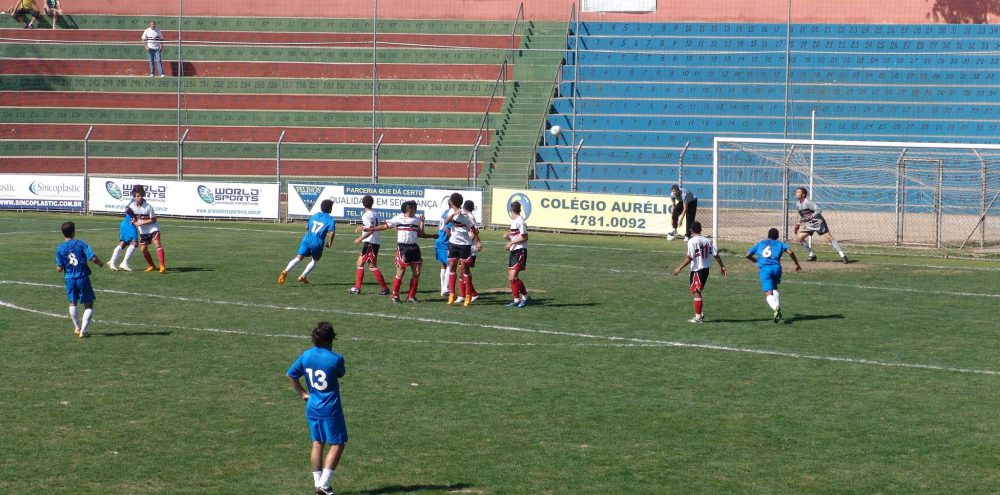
884,377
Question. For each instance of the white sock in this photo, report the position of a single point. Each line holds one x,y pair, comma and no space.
444,280
114,255
777,298
316,475
291,264
837,247
128,253
88,313
770,301
324,479
72,316
309,267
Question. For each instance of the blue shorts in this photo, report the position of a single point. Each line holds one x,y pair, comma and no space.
306,250
441,253
328,431
126,233
79,290
770,277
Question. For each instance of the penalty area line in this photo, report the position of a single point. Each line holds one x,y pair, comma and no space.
608,338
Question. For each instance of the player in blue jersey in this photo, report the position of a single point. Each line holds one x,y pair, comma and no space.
322,368
71,258
312,243
128,239
441,250
767,254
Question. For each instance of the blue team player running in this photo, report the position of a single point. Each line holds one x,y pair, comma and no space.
312,243
768,258
71,258
322,368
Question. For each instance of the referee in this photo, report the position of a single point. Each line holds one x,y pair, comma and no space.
688,203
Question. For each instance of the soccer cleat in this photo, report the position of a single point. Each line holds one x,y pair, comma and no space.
513,303
383,292
812,257
325,490
354,290
76,331
844,259
112,267
163,75
777,315
459,300
468,301
163,268
124,266
150,269
412,300
523,303
395,299
474,298
302,279
281,278
451,299
83,334
697,319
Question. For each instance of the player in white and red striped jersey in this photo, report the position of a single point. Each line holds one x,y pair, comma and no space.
409,228
369,250
699,254
464,235
144,218
517,261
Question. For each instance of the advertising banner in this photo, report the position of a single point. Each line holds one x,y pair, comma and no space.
188,198
619,6
41,192
305,199
610,213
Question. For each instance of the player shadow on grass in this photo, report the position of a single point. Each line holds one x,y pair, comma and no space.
800,317
455,487
184,269
133,334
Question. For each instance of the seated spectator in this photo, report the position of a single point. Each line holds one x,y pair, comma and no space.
53,9
26,9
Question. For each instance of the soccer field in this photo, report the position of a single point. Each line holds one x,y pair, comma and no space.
883,378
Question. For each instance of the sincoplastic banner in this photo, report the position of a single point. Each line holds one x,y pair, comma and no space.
588,212
41,192
305,199
188,198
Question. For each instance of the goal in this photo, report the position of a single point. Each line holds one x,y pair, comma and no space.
941,195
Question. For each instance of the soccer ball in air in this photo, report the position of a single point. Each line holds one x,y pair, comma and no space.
555,130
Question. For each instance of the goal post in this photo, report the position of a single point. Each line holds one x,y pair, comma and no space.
870,192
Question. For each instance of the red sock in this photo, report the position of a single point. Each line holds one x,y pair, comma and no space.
359,278
149,259
378,278
466,283
515,288
697,305
396,282
159,255
451,282
413,287
521,288
472,288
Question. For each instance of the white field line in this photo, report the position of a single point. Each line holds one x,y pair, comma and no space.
617,340
789,281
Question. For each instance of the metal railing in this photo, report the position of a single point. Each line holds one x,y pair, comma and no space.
472,166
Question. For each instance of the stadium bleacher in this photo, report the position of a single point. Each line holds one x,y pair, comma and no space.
637,94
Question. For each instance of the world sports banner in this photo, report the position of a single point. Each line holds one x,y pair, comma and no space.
305,199
611,213
188,198
41,192
619,6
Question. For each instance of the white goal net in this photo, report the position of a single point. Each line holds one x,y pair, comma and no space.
941,195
